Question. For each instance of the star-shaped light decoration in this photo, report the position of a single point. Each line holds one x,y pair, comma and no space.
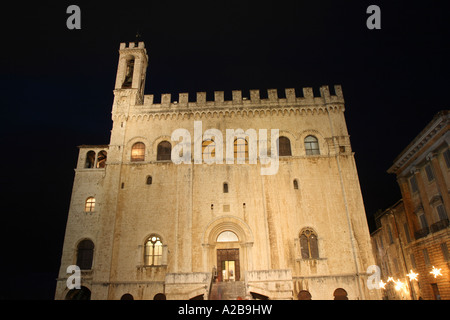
436,272
412,275
382,284
390,279
398,285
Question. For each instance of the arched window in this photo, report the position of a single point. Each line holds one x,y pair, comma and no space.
149,180
240,148
225,187
89,206
90,160
312,145
127,83
227,236
138,152
308,244
208,149
284,147
153,251
101,159
164,151
295,184
85,254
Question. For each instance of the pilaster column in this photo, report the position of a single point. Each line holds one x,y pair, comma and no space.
423,196
413,222
440,181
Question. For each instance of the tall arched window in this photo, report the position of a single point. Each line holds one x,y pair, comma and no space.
127,83
89,205
164,151
312,145
308,244
90,159
138,152
101,159
240,148
284,147
153,251
208,149
85,254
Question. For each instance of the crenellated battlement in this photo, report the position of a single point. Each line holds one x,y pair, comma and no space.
132,45
271,98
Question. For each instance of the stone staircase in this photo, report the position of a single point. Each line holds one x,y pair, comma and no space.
228,290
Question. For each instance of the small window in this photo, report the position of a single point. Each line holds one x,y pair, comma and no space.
426,257
240,149
101,159
149,180
225,187
90,160
441,212
429,171
284,147
85,254
309,245
391,239
89,205
153,251
413,183
444,250
312,145
164,151
138,152
447,157
295,184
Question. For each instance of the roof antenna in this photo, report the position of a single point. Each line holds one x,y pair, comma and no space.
138,38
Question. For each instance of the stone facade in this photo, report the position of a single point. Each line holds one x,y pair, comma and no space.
414,234
141,196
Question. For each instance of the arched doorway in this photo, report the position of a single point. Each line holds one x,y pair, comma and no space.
127,296
227,243
340,294
228,261
304,295
79,294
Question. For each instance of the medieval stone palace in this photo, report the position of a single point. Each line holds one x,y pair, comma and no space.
141,226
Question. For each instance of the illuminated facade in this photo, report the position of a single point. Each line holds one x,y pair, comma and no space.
414,234
144,227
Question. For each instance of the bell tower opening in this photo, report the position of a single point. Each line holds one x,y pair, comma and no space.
129,74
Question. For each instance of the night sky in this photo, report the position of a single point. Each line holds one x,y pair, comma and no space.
57,91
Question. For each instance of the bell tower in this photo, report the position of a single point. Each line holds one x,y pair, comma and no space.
128,92
131,72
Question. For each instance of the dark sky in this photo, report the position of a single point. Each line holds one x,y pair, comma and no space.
57,91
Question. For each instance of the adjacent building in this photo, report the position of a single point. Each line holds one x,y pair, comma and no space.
414,234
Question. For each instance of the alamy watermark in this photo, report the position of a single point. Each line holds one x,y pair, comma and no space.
182,153
74,281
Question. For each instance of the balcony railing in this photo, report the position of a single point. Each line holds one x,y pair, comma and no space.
435,227
421,233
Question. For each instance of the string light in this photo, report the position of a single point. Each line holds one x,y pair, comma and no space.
436,272
382,284
412,275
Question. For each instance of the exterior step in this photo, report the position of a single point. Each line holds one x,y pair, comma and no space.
228,290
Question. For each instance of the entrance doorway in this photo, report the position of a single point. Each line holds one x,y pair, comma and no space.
228,268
